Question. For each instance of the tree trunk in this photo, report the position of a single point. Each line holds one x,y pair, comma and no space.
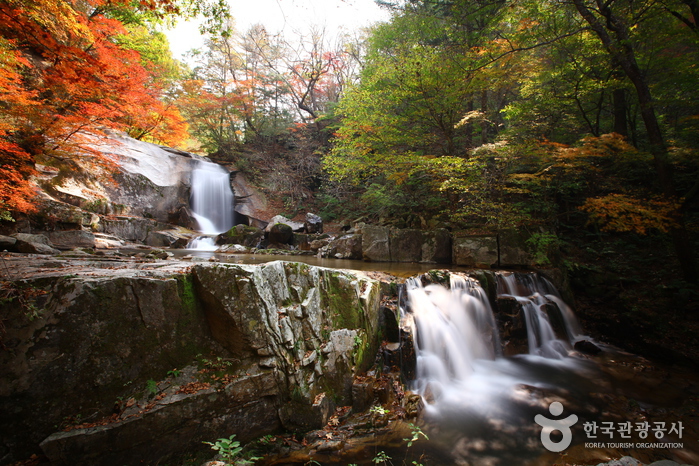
619,102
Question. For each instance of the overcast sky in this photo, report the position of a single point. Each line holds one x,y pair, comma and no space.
287,16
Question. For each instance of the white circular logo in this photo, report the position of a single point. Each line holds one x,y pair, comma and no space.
561,425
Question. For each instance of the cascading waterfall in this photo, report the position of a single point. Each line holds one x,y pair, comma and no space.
212,203
536,295
459,355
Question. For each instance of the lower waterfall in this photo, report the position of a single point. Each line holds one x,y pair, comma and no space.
461,372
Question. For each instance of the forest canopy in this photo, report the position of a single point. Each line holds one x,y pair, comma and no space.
459,114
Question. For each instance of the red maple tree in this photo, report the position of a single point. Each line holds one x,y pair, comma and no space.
62,76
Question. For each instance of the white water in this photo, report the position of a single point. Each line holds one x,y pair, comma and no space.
212,204
203,243
536,295
460,367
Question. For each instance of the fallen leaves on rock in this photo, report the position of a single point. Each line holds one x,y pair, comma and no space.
193,387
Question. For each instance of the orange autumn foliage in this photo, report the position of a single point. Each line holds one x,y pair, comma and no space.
621,213
62,75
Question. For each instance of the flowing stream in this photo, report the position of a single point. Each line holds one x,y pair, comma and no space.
483,402
212,204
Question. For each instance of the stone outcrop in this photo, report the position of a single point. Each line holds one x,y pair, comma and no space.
376,245
135,229
70,239
249,201
147,180
177,238
313,326
383,244
280,234
476,251
271,345
345,247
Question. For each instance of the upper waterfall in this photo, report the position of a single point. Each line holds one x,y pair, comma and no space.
212,199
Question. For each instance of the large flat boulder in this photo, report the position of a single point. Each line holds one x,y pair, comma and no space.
376,246
437,247
71,239
406,245
271,345
475,251
33,244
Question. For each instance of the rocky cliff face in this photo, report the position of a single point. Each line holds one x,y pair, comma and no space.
145,180
138,365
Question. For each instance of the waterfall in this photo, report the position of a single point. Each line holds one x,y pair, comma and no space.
452,329
212,203
459,354
536,295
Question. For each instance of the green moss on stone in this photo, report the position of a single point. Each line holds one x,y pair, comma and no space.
342,303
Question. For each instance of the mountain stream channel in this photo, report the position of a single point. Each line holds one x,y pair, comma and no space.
471,398
480,406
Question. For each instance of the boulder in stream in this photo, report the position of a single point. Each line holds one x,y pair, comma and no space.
313,223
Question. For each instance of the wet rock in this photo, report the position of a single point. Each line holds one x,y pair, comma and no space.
169,239
183,217
413,404
512,325
234,249
330,445
587,347
313,223
159,254
245,235
401,356
475,251
33,244
299,415
555,319
280,233
362,395
388,320
510,317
